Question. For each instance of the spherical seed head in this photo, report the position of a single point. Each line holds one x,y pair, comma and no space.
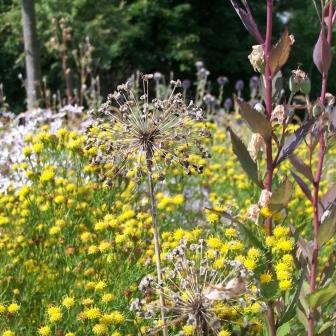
132,133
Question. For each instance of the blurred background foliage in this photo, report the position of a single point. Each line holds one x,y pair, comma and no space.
151,35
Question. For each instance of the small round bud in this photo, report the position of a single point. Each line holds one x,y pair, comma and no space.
299,81
318,109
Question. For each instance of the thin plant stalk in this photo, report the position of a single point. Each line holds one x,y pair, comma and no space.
269,154
316,187
156,239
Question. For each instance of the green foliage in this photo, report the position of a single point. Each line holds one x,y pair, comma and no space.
144,34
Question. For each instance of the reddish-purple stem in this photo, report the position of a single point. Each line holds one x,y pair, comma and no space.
269,159
317,180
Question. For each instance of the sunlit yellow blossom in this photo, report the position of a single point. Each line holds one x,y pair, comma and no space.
13,308
44,331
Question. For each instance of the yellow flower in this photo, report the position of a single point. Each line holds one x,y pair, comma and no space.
13,308
188,330
68,302
280,231
214,242
100,329
54,313
117,317
285,285
44,331
8,333
70,334
47,175
231,232
250,264
100,285
92,313
224,332
108,297
265,278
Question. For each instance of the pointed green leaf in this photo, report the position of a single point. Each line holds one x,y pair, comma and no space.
322,296
240,150
281,196
256,121
327,228
284,329
301,167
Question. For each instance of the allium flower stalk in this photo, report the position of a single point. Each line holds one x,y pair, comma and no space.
197,293
134,135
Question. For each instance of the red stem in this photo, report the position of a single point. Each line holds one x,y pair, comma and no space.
269,159
317,180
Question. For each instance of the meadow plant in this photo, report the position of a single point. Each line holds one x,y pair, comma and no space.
140,135
270,125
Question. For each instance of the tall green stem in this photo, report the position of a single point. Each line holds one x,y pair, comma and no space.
156,239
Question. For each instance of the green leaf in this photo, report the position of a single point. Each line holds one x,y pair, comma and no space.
254,240
284,329
301,167
325,328
249,166
269,290
290,311
322,296
302,317
327,228
257,121
281,196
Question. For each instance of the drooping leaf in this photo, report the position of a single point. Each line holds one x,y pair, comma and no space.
329,268
305,189
291,308
322,55
280,52
305,248
302,317
256,121
327,200
247,20
294,140
327,228
240,150
281,196
301,167
250,235
322,296
284,329
325,328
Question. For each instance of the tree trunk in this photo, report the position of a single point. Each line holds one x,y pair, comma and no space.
32,55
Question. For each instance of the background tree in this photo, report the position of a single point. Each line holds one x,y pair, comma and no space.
151,35
32,56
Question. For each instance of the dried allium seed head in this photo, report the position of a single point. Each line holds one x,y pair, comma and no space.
196,291
130,133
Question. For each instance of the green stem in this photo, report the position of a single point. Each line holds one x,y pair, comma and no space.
156,239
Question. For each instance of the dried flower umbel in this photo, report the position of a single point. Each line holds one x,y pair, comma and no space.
197,292
142,135
131,132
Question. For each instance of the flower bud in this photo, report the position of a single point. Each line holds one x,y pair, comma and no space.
264,199
256,144
257,58
318,108
278,114
299,81
259,108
